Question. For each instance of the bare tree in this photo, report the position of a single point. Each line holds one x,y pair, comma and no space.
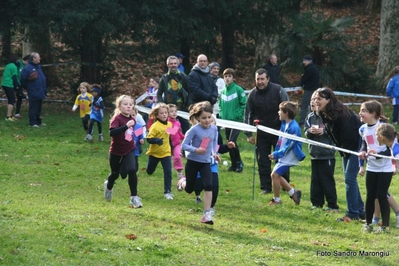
389,36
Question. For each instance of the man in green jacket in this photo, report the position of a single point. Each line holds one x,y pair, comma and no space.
232,106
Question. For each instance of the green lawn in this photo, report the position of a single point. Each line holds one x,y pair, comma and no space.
52,210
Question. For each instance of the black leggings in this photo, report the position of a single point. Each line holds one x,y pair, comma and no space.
377,185
115,162
191,169
91,125
215,188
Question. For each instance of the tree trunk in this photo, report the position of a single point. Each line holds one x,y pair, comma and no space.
91,56
389,36
6,43
228,41
40,42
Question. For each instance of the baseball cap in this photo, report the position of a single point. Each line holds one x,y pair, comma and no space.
179,55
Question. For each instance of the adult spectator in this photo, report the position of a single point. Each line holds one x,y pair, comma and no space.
181,66
201,84
173,88
273,69
215,68
263,105
310,81
34,81
11,85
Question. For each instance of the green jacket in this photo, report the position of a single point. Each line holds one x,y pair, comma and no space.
232,103
11,76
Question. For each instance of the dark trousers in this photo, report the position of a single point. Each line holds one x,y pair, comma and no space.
395,113
235,157
167,170
18,105
91,125
322,183
265,144
85,122
377,185
35,109
129,161
199,187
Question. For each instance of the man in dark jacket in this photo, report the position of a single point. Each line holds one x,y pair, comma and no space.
201,84
263,104
273,69
310,82
34,81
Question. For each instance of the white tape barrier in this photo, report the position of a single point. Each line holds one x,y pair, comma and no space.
289,89
249,128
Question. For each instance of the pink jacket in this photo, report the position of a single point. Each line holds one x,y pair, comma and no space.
179,136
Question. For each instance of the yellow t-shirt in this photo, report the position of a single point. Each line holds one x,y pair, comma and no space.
158,130
84,104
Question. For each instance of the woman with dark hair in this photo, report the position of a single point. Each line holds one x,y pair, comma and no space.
342,126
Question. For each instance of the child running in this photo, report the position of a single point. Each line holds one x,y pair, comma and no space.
176,137
288,153
122,149
200,142
96,113
160,150
138,138
379,170
83,102
199,187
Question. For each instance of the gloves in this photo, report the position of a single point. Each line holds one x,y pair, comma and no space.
213,100
158,141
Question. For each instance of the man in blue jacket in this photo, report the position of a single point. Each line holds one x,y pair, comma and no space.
34,82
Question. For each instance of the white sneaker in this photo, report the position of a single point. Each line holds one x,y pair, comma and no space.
212,211
207,218
107,192
88,137
136,202
168,196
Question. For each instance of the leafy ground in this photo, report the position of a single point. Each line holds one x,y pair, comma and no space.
52,211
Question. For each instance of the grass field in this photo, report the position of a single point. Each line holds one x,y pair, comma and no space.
52,210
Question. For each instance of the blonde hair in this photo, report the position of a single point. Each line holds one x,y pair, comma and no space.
154,111
118,102
86,85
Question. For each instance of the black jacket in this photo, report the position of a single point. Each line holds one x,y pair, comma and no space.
273,71
201,87
263,105
310,79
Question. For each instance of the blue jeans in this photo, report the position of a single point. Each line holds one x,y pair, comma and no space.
354,203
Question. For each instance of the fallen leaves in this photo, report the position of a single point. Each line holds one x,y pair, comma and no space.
18,137
320,243
131,237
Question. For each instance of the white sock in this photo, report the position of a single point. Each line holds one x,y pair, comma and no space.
276,199
291,192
